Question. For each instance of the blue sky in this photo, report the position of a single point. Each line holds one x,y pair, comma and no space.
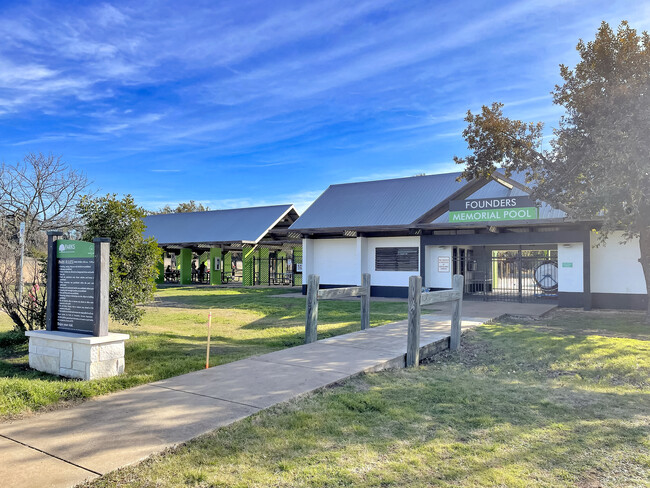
256,102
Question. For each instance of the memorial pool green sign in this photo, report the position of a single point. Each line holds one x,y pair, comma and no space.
492,209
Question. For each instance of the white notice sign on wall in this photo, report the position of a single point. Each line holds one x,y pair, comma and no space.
444,264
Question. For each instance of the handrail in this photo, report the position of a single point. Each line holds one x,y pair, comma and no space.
417,299
314,294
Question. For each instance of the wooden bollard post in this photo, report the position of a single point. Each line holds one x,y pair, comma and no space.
456,312
413,339
311,312
365,302
207,349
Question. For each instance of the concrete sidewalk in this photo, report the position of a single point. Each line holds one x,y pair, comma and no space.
67,446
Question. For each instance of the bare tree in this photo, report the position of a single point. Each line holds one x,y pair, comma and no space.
43,192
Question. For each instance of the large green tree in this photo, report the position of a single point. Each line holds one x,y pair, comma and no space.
134,259
597,166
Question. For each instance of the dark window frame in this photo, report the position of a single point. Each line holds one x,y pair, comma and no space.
400,258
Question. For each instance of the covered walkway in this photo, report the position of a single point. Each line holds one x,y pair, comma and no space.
250,246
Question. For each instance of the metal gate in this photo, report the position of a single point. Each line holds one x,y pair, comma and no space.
272,271
518,275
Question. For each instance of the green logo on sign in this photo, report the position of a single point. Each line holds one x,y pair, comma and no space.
567,265
74,249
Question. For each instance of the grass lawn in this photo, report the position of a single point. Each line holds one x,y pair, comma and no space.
548,404
171,340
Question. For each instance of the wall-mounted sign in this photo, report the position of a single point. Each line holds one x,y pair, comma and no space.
298,267
217,264
77,285
492,209
567,265
444,264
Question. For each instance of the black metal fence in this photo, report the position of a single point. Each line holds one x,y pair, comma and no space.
529,276
273,271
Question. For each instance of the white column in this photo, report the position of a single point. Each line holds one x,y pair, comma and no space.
362,257
307,258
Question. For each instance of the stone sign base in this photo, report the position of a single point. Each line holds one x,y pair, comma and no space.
76,355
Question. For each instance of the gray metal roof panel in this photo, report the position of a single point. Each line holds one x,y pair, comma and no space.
231,225
394,202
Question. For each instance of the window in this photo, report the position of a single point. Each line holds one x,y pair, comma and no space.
396,258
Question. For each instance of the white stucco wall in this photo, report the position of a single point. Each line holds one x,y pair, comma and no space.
570,267
390,278
342,261
615,267
335,261
433,278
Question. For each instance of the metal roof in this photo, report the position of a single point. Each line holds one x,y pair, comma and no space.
382,203
248,225
398,202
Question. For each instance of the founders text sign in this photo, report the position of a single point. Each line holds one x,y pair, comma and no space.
76,286
492,209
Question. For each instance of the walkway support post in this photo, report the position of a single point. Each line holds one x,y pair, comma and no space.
365,301
216,265
413,339
456,313
311,312
186,266
248,254
161,271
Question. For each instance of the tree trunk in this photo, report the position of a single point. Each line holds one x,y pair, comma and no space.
644,247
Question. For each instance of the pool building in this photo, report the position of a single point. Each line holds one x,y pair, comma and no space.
506,245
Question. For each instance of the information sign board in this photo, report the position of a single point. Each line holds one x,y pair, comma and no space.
77,285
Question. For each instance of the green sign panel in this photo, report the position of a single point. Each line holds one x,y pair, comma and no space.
526,213
492,209
74,249
567,265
